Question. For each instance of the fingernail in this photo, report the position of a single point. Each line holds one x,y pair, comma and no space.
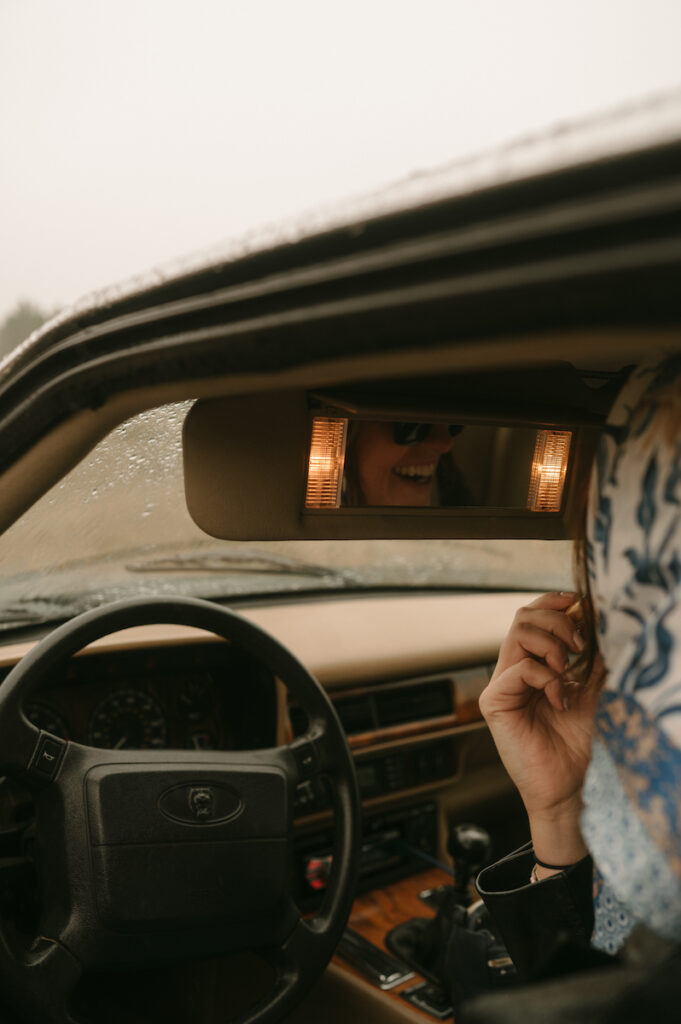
566,704
578,641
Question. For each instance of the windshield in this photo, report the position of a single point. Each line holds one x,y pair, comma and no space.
117,526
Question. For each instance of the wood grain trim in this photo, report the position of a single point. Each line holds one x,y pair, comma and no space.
425,727
371,689
468,711
468,685
343,997
375,913
382,744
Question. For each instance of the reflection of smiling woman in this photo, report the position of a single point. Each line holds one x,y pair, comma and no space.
395,463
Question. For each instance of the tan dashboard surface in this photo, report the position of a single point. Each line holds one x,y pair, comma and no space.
356,639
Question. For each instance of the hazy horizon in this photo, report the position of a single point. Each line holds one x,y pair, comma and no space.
138,134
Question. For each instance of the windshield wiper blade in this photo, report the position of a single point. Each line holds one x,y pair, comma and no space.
30,610
242,561
19,616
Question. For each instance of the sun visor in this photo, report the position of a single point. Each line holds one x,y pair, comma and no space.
283,466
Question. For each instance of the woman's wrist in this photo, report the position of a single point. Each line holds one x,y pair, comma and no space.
557,839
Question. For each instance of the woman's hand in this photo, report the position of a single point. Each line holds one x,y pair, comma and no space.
542,726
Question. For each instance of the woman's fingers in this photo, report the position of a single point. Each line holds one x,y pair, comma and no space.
549,635
555,694
543,630
511,690
555,622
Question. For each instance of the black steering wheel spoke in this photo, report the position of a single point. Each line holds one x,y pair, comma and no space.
149,856
26,752
310,754
297,962
41,981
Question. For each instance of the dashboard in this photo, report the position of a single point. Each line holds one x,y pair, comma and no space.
404,734
207,696
404,673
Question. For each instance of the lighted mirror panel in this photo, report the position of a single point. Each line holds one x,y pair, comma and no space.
371,463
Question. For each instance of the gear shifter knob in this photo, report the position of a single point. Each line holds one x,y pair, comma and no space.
470,847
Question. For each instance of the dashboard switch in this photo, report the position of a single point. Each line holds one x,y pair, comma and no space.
317,871
381,968
429,998
47,756
305,760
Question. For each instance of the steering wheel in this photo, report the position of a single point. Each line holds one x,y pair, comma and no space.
156,856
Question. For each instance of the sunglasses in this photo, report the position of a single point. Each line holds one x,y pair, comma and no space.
415,433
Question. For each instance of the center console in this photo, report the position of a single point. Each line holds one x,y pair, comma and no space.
408,746
395,844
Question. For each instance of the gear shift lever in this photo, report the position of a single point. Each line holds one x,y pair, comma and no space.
422,942
458,947
470,848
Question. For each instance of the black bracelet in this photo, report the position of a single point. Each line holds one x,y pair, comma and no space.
554,867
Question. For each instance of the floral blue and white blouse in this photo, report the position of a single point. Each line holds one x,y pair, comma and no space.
632,793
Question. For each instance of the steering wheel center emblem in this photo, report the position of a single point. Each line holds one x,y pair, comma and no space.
202,802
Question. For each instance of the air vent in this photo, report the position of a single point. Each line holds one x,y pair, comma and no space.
356,714
384,707
413,703
387,706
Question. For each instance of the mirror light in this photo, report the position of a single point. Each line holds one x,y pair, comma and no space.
549,468
327,457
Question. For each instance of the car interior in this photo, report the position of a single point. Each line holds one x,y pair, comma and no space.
244,769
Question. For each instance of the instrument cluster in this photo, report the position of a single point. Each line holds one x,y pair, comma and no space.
187,696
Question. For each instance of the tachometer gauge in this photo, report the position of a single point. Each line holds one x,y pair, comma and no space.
127,719
195,699
43,717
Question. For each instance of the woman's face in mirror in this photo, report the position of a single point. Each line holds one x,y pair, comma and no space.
397,474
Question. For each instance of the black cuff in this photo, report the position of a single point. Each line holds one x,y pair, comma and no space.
534,918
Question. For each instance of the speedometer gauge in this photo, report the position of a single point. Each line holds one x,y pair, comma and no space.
127,719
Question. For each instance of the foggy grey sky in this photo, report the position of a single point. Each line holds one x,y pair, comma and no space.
139,131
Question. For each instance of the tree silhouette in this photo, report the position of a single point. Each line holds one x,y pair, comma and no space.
18,324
